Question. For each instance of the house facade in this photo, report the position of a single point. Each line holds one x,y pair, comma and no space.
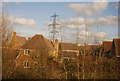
107,46
115,48
9,53
34,53
65,50
16,41
112,48
72,51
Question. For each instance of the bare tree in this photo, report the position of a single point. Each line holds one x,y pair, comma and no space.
6,28
5,35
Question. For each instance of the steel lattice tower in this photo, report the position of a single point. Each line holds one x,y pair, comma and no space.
53,27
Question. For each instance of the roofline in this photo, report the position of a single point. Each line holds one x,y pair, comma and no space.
108,41
116,38
118,56
67,43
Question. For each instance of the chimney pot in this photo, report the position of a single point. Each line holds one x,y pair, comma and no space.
28,38
56,41
14,32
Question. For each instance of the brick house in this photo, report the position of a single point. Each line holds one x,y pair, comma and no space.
107,46
16,41
71,51
10,52
66,50
115,48
34,52
112,48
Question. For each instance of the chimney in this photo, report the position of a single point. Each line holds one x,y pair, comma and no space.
14,33
29,38
41,35
85,44
56,41
13,36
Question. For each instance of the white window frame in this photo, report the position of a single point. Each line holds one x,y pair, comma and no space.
118,56
26,64
26,52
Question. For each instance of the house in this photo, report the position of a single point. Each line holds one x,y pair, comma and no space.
9,53
90,50
66,50
11,49
33,55
34,50
112,48
72,51
115,48
16,41
107,46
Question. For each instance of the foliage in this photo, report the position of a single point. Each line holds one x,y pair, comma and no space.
46,67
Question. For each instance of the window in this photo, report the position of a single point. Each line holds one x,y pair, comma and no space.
26,52
26,64
66,59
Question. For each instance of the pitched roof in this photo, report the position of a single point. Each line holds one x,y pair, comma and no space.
116,42
21,40
16,41
49,43
80,47
89,47
107,45
38,42
67,46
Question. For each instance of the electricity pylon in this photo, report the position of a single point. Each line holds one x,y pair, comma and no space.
53,27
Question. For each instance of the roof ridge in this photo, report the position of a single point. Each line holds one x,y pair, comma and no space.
18,41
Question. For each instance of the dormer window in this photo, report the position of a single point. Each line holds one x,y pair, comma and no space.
26,64
26,52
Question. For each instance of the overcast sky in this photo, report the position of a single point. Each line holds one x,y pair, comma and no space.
32,18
